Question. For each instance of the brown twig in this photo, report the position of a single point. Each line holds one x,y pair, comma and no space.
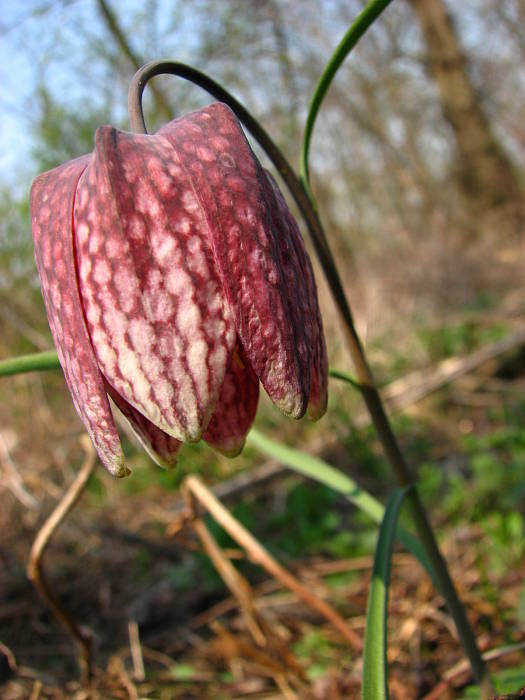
10,657
35,569
135,648
270,586
282,684
237,584
462,668
158,656
417,385
259,555
116,668
36,690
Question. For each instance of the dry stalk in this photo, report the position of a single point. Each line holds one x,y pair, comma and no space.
282,684
36,690
235,581
117,669
35,567
259,555
136,651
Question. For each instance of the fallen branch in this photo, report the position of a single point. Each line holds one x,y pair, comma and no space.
417,385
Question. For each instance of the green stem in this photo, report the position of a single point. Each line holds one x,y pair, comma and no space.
447,589
344,377
362,22
38,362
365,379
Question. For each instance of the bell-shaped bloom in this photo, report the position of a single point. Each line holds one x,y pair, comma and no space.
175,279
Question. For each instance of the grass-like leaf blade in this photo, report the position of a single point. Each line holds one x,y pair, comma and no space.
324,473
375,675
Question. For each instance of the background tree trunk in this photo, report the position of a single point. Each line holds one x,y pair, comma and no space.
486,175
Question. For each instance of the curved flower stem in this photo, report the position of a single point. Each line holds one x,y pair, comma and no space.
165,66
301,193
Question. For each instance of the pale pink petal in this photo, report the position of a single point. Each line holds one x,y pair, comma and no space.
236,408
52,200
158,319
160,446
255,258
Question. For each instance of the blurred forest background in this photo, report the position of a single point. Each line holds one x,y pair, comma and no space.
418,167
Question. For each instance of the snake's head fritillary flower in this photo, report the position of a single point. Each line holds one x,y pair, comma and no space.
175,279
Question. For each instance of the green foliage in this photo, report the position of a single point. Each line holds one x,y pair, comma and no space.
504,540
19,285
317,652
17,266
510,680
362,449
459,339
183,672
486,475
315,520
497,462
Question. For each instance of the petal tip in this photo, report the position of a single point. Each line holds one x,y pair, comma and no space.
118,468
164,454
315,412
291,406
230,450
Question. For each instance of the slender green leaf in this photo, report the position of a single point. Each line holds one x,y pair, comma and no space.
365,18
38,362
345,377
324,473
375,676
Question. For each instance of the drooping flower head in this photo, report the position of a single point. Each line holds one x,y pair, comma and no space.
175,278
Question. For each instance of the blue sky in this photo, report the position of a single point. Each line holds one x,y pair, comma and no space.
17,78
40,37
28,46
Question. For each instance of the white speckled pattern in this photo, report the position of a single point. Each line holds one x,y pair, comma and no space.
52,197
175,278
